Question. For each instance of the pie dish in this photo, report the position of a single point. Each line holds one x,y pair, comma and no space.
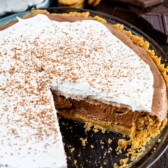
142,42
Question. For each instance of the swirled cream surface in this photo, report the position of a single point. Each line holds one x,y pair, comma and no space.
80,60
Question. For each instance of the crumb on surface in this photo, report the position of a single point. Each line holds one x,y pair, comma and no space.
72,150
88,126
83,141
75,162
109,141
95,129
124,161
109,150
92,146
101,142
103,130
123,144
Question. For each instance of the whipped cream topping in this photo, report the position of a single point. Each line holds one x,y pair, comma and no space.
80,60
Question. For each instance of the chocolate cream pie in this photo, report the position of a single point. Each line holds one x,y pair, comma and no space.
82,68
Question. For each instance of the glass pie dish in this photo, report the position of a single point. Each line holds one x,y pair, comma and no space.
96,152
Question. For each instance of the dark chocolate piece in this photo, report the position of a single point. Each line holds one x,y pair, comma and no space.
155,19
159,21
142,3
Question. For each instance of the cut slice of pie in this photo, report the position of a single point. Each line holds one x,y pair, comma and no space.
95,73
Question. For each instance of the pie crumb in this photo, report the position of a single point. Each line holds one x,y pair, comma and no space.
72,150
109,141
83,141
75,162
